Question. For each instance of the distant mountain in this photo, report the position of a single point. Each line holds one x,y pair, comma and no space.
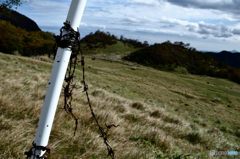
229,58
18,20
205,51
234,51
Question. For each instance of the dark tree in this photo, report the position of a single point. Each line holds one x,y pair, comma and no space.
7,5
145,43
121,38
10,3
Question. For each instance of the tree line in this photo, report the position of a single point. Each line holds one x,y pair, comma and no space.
133,42
26,43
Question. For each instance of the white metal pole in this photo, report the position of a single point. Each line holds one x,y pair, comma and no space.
56,81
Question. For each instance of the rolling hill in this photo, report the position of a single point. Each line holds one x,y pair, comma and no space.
171,56
161,114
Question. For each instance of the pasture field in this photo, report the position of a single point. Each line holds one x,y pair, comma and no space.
161,114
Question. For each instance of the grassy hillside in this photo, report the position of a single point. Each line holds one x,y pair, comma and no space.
160,114
119,48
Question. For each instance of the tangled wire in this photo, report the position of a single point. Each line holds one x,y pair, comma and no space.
71,40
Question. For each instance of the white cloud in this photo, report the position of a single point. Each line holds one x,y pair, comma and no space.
148,3
83,24
98,26
48,7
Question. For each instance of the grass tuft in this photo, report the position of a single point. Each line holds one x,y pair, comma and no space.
138,105
120,108
156,114
195,138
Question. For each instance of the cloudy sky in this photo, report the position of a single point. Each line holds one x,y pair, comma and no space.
211,25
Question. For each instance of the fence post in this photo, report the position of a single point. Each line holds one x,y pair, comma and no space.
55,83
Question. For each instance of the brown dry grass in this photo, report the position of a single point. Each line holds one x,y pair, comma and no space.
159,113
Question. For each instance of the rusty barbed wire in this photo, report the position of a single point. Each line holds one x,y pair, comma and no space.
72,40
103,130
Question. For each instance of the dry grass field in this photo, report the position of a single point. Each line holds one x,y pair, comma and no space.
161,114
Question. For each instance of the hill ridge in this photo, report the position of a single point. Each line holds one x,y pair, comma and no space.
19,20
